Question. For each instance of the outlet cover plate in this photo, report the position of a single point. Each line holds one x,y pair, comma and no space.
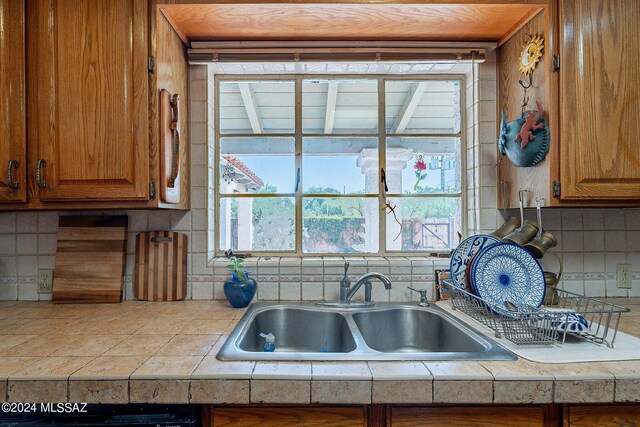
45,280
624,276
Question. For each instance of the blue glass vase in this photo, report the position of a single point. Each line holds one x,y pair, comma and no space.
239,293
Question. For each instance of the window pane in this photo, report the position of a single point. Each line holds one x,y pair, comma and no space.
340,165
257,165
248,107
257,224
427,106
423,165
340,106
339,225
428,224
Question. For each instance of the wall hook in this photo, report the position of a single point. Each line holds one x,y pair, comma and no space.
530,82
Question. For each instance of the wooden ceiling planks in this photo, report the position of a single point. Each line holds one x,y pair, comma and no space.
347,21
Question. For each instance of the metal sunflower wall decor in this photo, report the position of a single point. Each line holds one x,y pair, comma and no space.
531,54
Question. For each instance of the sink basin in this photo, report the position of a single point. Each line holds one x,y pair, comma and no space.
299,330
305,331
406,330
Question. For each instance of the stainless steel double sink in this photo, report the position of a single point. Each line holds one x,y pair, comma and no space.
305,331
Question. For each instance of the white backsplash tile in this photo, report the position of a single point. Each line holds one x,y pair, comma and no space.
28,291
7,222
8,266
572,219
27,265
7,244
48,222
572,241
632,219
290,291
593,241
614,219
312,291
202,290
615,241
268,290
26,244
27,222
8,291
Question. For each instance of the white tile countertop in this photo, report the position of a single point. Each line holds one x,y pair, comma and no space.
165,353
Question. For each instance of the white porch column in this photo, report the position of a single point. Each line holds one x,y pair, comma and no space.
368,163
245,224
225,215
396,161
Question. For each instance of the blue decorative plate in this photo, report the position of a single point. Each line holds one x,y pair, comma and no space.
463,254
506,272
563,320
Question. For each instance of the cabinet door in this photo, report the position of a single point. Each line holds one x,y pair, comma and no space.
603,416
467,417
600,99
289,416
12,102
88,99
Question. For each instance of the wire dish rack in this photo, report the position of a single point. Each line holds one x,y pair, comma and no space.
544,326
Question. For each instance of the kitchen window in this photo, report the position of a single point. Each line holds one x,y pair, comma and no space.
338,164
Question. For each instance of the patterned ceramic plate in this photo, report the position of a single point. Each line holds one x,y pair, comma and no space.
563,320
463,254
506,272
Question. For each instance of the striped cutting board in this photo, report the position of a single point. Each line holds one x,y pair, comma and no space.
161,266
90,259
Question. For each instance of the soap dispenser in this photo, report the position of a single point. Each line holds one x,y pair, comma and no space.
269,342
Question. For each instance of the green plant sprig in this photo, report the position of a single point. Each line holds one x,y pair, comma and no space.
237,266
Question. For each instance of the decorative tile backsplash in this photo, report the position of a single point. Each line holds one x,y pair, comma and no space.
591,241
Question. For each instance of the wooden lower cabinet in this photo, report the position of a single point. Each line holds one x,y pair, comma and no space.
551,415
383,415
301,416
602,416
489,416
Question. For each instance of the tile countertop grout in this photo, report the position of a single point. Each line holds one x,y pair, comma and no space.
99,355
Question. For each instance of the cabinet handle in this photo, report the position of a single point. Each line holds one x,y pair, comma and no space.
10,182
41,164
175,133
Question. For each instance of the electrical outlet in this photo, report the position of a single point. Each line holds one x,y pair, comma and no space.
45,280
624,276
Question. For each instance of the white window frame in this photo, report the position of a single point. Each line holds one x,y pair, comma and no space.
382,137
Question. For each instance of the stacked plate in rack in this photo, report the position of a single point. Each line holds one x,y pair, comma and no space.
498,272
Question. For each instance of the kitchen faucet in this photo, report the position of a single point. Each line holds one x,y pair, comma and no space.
347,292
366,280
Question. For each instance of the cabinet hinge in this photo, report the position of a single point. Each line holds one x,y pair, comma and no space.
151,64
555,64
152,190
556,189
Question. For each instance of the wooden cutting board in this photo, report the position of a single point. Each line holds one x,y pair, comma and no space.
90,259
161,266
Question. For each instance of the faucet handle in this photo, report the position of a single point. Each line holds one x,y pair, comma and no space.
423,296
345,282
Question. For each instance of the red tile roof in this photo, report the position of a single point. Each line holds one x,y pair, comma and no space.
244,169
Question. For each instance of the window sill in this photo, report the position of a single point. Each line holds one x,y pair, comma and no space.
321,261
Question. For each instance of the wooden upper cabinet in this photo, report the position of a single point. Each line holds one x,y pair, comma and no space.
599,100
13,157
88,99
